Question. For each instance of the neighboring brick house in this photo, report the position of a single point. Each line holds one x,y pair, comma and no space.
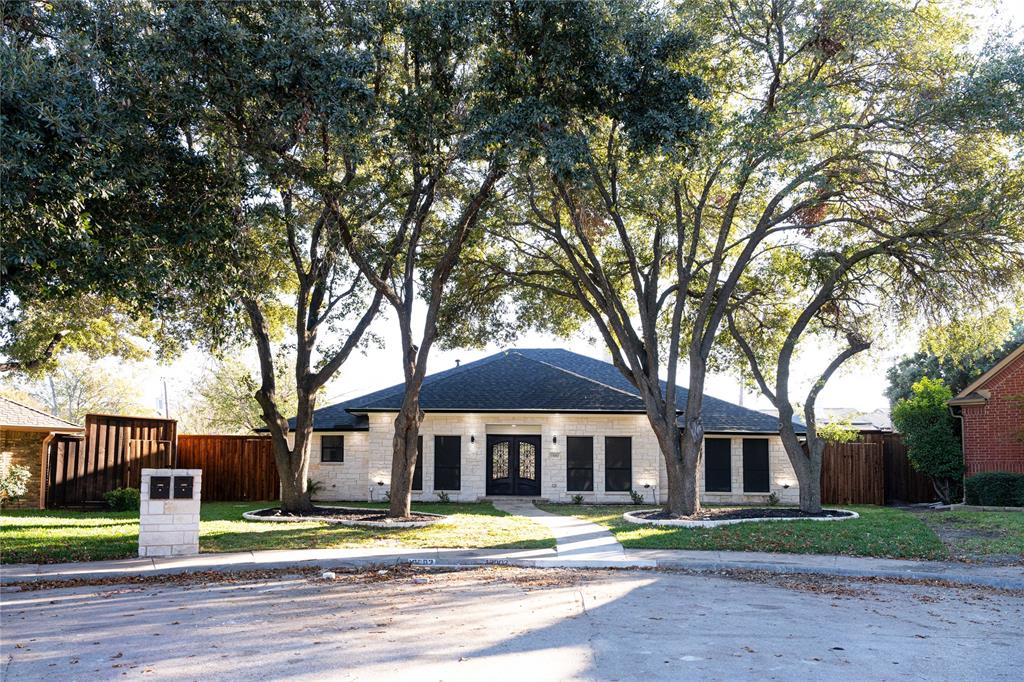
540,423
992,410
24,434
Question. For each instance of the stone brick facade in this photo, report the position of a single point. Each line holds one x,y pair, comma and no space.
169,527
24,448
994,430
368,457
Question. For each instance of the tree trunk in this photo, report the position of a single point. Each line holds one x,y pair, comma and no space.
293,470
808,476
680,466
403,460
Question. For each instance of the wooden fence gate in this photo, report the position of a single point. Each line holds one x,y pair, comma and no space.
852,473
235,468
112,454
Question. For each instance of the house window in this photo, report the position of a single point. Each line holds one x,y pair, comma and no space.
618,463
579,460
718,465
417,475
755,465
332,448
447,462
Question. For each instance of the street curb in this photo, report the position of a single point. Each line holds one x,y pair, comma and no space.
32,573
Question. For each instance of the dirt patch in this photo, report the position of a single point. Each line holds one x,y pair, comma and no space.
957,533
738,513
345,514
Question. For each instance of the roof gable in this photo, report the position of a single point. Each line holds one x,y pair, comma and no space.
16,415
996,369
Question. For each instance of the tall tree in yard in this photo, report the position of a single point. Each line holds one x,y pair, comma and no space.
920,202
476,85
831,140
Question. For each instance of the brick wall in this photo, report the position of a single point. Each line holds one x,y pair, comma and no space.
991,431
368,457
24,448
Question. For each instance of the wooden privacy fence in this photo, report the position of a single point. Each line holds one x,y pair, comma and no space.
112,455
235,468
852,473
903,483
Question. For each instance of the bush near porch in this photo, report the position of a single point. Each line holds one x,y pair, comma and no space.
57,535
879,532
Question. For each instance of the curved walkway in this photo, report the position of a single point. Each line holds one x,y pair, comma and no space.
576,538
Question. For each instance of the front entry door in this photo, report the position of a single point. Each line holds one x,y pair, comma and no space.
513,465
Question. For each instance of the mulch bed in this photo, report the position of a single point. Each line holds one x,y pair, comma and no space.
733,513
348,514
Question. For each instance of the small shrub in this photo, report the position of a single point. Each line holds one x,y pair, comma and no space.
123,499
995,489
314,488
443,497
387,495
638,498
577,499
773,499
14,483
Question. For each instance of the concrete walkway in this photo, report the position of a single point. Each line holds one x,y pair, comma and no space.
576,539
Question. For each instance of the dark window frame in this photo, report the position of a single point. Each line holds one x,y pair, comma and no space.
756,478
444,471
339,448
609,470
575,471
717,478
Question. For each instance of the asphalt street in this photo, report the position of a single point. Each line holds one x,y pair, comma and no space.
501,623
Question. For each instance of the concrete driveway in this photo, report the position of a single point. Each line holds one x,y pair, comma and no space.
513,624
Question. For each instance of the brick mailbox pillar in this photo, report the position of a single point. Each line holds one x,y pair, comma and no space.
169,512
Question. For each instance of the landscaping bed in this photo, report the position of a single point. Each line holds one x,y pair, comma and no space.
349,516
711,517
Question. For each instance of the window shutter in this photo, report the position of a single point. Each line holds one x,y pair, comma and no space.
579,461
755,465
618,463
447,462
718,465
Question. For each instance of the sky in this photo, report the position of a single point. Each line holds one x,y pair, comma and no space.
860,384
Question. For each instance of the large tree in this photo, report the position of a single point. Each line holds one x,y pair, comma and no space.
831,137
106,216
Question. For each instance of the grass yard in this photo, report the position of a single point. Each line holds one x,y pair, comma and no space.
879,532
974,535
54,536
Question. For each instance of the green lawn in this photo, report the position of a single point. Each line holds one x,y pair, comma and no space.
974,533
53,536
879,532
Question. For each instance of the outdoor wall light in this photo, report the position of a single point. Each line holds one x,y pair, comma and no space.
554,440
472,438
380,483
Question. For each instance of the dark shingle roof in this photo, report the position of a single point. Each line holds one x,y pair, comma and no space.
533,380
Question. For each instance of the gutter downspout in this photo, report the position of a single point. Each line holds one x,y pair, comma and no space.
957,413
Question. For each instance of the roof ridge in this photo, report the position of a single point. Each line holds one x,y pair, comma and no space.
443,374
577,374
38,411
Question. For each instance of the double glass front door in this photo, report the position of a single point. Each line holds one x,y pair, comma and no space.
513,465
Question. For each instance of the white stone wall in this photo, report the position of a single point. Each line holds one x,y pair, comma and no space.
368,457
169,527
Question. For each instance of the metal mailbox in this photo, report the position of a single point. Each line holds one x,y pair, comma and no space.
160,488
183,487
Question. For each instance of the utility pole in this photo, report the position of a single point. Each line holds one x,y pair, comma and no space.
167,408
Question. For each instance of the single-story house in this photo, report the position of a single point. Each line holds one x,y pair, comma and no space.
992,412
544,423
25,433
